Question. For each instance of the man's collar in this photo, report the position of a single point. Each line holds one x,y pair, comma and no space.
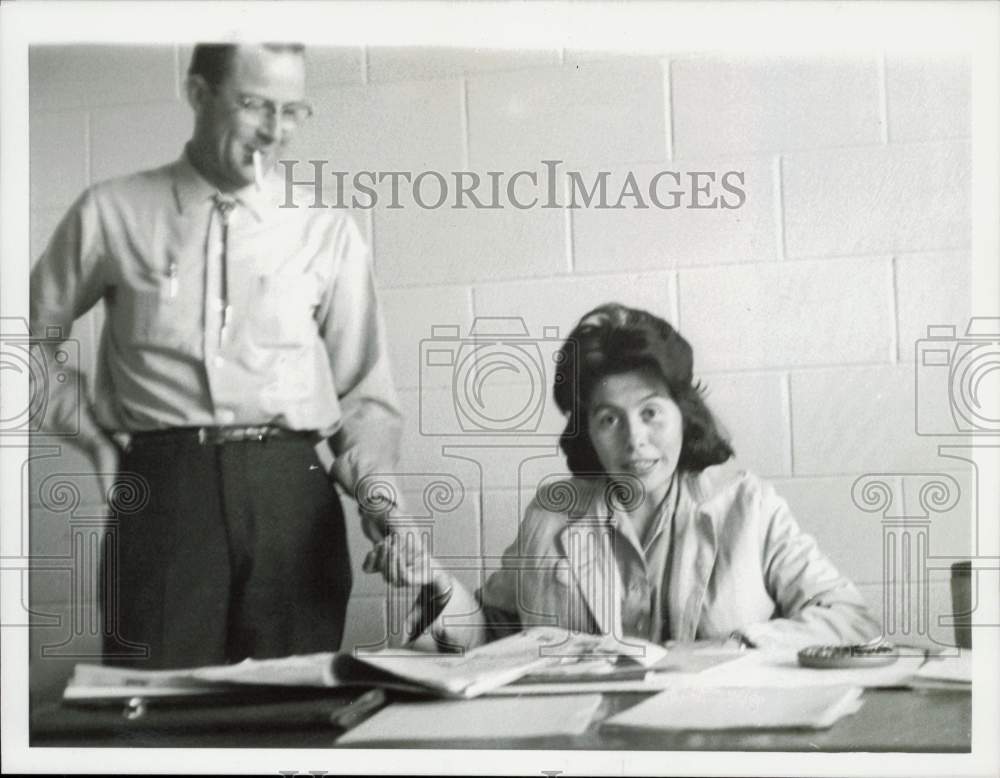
191,189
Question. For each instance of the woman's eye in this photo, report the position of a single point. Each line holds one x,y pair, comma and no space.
650,413
606,421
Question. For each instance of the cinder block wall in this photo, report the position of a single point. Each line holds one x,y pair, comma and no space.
803,306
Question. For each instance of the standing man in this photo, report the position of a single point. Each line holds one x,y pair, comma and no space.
238,335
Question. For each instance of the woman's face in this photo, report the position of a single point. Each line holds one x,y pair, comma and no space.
636,428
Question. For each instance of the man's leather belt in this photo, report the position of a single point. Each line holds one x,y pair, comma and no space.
216,436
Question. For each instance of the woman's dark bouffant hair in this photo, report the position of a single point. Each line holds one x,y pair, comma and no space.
613,339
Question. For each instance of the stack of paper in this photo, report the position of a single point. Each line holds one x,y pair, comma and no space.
741,708
484,718
447,675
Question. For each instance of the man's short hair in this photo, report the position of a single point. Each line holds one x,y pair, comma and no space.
211,60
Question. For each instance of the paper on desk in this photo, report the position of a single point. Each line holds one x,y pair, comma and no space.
486,717
680,660
741,708
297,670
97,682
781,669
952,669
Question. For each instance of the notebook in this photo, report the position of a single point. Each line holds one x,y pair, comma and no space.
486,717
741,708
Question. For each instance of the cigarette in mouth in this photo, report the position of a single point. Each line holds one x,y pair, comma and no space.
258,170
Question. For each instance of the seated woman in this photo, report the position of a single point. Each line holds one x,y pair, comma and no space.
657,535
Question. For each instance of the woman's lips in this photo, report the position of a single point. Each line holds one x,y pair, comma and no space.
640,466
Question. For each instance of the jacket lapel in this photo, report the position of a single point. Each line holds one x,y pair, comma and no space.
587,543
695,539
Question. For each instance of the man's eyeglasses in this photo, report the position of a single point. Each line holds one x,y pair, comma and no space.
258,110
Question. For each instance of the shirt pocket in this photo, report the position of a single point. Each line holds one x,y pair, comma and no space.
151,314
282,310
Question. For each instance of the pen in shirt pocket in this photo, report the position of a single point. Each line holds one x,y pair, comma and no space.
172,279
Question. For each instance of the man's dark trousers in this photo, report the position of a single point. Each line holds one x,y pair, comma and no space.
239,551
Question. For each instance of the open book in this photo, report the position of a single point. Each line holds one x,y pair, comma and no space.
445,675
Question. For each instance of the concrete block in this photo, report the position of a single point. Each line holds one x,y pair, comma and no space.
561,303
65,480
410,316
573,56
947,499
922,620
388,127
327,65
70,580
493,406
635,238
73,76
753,410
931,289
928,97
860,420
137,137
849,535
591,113
913,197
50,533
478,456
417,246
404,63
58,155
787,314
43,223
503,512
738,105
429,425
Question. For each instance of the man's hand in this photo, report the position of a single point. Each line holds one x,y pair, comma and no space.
404,562
402,558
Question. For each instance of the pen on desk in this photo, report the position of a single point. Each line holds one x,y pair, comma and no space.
430,605
358,709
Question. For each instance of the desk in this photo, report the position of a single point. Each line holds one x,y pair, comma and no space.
890,720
